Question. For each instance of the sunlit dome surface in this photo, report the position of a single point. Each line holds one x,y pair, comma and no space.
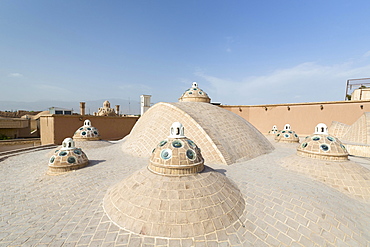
87,132
195,94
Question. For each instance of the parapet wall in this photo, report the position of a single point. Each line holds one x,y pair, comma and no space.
54,128
303,117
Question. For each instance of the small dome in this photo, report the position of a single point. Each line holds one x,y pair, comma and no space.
194,94
67,158
173,193
321,145
273,131
86,132
176,155
286,135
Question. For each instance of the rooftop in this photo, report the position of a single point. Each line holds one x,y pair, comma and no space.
283,207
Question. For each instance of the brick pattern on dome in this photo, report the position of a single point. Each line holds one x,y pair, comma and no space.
359,132
175,207
67,160
222,142
338,129
347,177
322,146
287,136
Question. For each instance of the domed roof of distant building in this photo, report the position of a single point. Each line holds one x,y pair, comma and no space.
67,158
106,110
286,135
176,196
321,145
195,94
86,132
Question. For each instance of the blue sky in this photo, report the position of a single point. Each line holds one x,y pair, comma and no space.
239,52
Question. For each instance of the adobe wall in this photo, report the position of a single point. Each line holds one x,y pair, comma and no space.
303,117
55,128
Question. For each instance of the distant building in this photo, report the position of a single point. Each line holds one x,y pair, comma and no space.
60,111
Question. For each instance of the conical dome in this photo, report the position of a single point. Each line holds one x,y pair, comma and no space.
286,135
86,132
67,158
195,94
321,145
176,196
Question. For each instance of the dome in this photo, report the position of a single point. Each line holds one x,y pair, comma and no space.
286,135
273,131
67,158
86,132
176,196
222,142
321,145
195,94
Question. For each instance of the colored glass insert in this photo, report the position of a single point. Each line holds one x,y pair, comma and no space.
71,159
200,92
286,135
195,88
316,138
153,150
63,153
190,154
283,131
304,144
88,128
95,132
295,135
81,128
83,133
278,135
77,151
56,151
166,154
190,92
177,144
324,147
162,143
342,146
191,143
290,132
330,138
52,159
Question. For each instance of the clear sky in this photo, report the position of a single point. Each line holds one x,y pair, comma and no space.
239,52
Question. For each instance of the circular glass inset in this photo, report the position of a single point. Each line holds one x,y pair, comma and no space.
177,144
77,151
71,159
166,154
342,146
324,147
162,143
190,154
278,135
304,144
95,132
52,159
283,131
83,133
153,150
56,151
88,128
307,137
195,89
63,153
81,128
330,138
290,132
190,92
316,138
286,135
200,92
295,135
191,143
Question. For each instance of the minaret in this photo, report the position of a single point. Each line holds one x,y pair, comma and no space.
144,103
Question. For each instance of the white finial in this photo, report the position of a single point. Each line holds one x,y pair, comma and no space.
177,130
68,144
274,127
195,84
287,127
321,128
87,123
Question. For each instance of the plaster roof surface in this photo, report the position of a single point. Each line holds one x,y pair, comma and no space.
282,207
221,141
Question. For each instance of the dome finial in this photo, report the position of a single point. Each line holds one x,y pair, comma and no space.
321,128
68,144
177,130
195,84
